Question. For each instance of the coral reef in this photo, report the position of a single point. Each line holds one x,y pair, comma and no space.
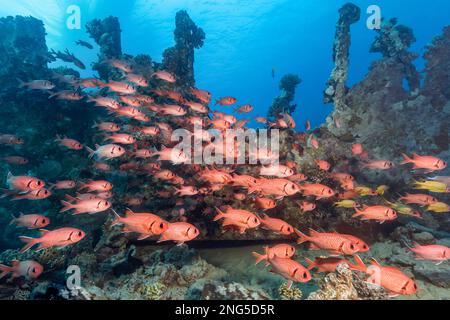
287,293
345,285
336,286
179,60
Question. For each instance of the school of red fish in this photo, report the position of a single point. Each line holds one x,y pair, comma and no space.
264,187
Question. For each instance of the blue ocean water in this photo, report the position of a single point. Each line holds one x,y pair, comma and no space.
245,40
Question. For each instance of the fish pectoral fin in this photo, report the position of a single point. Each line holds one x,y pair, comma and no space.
289,284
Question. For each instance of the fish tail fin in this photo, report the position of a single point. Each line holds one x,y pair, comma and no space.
117,218
302,237
360,265
4,271
91,152
357,213
259,257
29,243
13,220
9,176
21,83
219,215
311,264
406,159
410,248
66,206
54,94
6,193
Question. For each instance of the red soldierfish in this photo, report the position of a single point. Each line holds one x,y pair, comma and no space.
145,224
242,219
23,183
28,269
56,238
108,151
276,225
284,251
180,232
378,213
428,163
31,221
89,206
390,278
334,242
436,253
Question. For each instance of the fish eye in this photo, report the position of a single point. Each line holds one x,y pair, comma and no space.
255,220
305,275
79,233
415,286
161,225
352,246
38,183
33,270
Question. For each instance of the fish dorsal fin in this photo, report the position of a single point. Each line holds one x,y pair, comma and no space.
129,212
313,232
97,146
15,263
43,231
375,262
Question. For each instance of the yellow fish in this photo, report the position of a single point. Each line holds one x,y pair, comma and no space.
433,186
404,209
381,190
438,207
346,204
365,191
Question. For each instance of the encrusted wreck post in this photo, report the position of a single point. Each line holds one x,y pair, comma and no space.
179,59
335,87
107,34
282,103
